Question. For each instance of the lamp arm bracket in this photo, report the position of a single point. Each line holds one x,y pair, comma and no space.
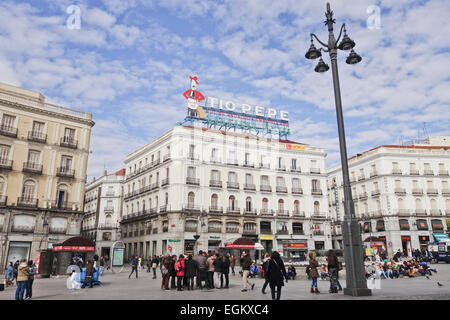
323,44
340,33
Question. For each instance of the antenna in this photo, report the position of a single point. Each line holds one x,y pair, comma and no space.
425,131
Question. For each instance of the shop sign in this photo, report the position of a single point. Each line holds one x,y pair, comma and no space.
294,245
73,248
174,240
214,237
53,239
266,237
448,223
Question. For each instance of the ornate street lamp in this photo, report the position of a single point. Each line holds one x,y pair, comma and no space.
353,250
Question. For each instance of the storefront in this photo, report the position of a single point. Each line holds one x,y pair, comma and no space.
295,250
267,243
406,245
423,242
189,247
18,250
213,244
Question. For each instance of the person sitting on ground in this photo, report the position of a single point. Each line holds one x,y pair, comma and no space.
394,268
323,272
427,268
379,271
291,272
387,270
411,270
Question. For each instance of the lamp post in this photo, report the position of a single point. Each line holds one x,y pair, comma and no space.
356,282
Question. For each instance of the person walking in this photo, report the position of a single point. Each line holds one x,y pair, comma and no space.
15,271
134,264
165,271
210,282
225,271
246,262
276,271
155,263
313,273
232,264
9,277
333,269
102,266
22,278
202,265
265,265
29,285
191,270
89,273
179,269
218,270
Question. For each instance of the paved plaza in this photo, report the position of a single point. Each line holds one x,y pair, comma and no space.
119,287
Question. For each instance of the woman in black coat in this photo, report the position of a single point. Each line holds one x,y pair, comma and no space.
225,272
190,272
275,273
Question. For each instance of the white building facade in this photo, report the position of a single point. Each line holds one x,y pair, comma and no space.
401,195
103,211
223,186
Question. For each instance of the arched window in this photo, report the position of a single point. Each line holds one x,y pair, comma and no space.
166,199
143,205
316,207
191,200
28,190
248,204
296,206
62,195
232,203
418,204
214,201
281,205
108,220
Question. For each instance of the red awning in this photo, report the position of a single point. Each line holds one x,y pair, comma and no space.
238,246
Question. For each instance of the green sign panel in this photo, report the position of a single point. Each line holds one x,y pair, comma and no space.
174,240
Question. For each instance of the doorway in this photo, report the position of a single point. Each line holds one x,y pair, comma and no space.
406,245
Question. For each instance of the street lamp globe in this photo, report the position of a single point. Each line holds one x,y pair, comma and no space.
321,66
353,58
313,53
346,43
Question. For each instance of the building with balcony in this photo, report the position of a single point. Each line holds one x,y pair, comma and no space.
401,194
223,186
103,211
41,179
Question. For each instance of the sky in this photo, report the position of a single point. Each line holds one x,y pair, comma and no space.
128,62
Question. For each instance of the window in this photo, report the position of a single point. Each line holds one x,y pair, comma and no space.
265,225
315,185
4,154
296,206
191,172
191,200
28,190
214,154
280,163
66,163
191,150
404,224
214,201
34,157
248,179
38,128
296,183
265,181
422,225
248,204
232,177
232,203
215,175
437,225
380,225
69,135
316,207
8,122
294,164
265,204
247,158
281,205
280,182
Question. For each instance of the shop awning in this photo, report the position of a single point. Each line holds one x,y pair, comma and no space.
441,237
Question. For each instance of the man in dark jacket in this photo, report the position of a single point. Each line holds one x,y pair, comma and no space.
225,271
333,269
218,264
202,266
134,264
155,263
89,273
246,262
173,273
191,270
266,278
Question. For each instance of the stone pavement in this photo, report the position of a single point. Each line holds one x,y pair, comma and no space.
119,287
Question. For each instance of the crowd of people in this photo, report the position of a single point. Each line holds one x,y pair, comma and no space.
23,273
380,267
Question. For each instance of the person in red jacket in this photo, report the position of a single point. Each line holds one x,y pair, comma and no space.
179,269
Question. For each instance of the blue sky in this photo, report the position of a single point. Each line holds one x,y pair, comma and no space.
130,62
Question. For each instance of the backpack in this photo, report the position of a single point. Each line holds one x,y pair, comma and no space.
178,266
